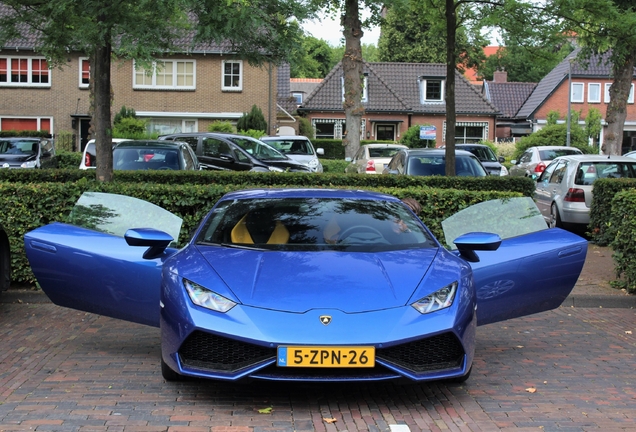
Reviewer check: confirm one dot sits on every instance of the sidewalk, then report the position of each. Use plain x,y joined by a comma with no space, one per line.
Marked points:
592,290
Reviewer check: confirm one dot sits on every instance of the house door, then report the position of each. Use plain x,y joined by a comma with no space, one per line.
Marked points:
85,124
385,132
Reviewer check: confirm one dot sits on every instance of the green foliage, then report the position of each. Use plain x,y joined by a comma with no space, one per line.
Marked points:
130,127
25,133
334,165
602,227
64,141
623,243
333,147
253,120
313,59
593,124
253,133
64,159
411,138
305,128
552,117
417,28
221,126
124,113
554,135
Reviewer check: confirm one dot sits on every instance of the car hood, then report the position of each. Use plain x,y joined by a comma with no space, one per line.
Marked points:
303,159
299,281
286,164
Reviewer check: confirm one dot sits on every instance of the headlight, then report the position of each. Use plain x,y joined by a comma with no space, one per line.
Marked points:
440,299
275,169
313,163
208,299
29,164
504,171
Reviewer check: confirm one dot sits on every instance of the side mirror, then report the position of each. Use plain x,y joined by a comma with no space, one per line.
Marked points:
320,151
514,162
156,241
502,159
468,243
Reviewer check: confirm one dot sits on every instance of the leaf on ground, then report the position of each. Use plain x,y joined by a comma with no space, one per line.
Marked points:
531,390
267,410
628,332
329,420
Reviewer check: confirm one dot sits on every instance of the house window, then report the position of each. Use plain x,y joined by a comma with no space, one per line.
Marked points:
299,97
432,90
166,75
469,132
84,72
594,92
25,71
165,126
329,128
577,92
232,75
630,98
365,93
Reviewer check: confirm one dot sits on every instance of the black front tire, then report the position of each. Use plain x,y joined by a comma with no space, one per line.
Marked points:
461,379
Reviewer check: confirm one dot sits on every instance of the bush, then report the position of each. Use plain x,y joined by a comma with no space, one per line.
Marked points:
25,133
254,120
554,135
412,138
129,127
221,126
624,241
334,165
305,128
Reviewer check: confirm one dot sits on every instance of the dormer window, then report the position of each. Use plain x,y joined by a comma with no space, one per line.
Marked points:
365,94
432,89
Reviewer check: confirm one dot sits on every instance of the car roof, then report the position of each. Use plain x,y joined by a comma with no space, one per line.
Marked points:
21,138
436,151
115,140
285,137
388,145
307,193
212,134
596,158
555,148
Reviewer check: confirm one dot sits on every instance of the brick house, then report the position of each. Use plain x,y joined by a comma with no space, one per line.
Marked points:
191,90
397,96
589,87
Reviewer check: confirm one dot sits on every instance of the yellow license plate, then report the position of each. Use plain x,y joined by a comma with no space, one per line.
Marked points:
325,356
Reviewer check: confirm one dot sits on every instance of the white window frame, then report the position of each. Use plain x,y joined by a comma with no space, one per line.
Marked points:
590,86
238,87
81,62
298,96
582,87
365,93
423,85
174,67
630,98
28,83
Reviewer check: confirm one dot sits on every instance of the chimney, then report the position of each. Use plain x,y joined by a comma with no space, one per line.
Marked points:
500,76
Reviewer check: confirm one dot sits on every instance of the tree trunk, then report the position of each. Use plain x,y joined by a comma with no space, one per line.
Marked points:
100,71
353,81
451,64
617,107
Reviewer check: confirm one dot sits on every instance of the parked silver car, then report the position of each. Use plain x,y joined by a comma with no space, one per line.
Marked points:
534,160
564,190
372,158
298,148
18,152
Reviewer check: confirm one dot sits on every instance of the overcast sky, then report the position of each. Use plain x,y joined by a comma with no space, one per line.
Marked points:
329,29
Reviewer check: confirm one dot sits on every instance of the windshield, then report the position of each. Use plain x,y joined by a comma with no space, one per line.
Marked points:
126,158
383,152
115,214
509,218
292,146
484,154
315,224
19,147
258,149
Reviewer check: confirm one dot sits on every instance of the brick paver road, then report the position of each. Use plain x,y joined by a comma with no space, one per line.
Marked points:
571,369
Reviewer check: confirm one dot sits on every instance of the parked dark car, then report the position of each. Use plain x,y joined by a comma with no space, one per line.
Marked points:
230,152
17,152
427,162
487,157
5,260
160,155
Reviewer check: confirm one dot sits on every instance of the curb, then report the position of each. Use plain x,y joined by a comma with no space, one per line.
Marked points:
573,300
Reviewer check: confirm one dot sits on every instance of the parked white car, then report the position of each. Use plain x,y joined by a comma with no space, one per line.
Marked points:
564,190
534,160
372,158
89,159
298,148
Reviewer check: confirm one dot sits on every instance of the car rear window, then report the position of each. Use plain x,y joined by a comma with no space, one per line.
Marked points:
314,224
548,155
385,152
587,172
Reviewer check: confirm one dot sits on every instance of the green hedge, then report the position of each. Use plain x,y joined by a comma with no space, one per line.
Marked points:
601,228
623,223
31,205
